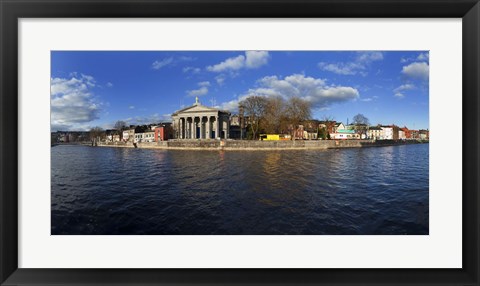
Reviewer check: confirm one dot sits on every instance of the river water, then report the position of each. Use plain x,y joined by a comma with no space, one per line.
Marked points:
115,191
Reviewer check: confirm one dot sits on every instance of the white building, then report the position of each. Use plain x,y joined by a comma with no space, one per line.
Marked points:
201,122
375,132
128,135
387,132
148,137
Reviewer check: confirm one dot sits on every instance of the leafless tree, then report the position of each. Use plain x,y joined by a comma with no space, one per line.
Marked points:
274,115
329,123
254,107
119,127
361,124
297,111
96,133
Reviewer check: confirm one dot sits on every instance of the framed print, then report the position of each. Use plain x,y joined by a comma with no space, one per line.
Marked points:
223,142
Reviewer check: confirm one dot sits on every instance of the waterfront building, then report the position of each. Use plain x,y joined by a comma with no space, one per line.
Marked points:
109,134
310,135
237,127
345,134
375,132
201,122
408,133
148,136
112,135
298,133
138,137
163,132
329,126
415,134
423,134
390,132
338,126
128,135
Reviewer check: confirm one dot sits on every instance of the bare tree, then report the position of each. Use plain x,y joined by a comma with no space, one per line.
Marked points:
297,111
254,107
360,123
274,115
119,127
329,125
96,133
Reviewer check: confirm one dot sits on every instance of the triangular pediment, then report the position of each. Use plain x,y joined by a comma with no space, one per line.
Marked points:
197,108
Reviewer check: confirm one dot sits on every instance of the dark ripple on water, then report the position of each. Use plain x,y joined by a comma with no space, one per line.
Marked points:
135,191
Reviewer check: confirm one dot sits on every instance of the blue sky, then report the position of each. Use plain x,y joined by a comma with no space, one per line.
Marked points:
97,88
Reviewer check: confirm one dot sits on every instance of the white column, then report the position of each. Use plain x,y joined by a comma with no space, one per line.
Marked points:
179,129
225,125
217,127
208,133
194,128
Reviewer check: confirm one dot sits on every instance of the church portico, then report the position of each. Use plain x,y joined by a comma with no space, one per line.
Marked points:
201,122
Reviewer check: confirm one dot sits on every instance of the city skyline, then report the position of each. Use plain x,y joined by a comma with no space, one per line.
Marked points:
98,88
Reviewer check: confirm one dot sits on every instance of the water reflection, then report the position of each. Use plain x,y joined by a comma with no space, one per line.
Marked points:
138,191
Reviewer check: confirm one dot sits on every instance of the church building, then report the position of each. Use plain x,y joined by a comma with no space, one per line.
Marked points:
201,122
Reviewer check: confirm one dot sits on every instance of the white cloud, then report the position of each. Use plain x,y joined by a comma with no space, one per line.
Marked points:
193,70
251,60
416,70
131,107
340,68
204,83
256,59
173,61
186,59
229,64
230,105
407,86
314,90
109,84
149,119
201,91
220,79
399,92
162,63
198,92
72,102
368,57
423,57
358,66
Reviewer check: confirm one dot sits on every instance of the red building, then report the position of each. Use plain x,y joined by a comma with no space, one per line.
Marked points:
408,132
163,133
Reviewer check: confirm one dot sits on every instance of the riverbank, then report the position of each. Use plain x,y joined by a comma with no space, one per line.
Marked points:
259,145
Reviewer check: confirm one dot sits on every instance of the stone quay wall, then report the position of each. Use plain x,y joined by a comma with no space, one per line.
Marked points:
207,144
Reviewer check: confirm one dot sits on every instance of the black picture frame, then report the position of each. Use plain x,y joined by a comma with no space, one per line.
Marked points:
11,11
